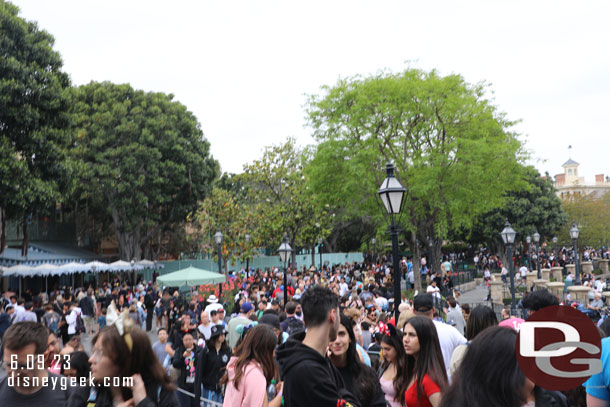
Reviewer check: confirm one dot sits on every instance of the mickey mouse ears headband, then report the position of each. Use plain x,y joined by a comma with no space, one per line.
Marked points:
242,329
386,329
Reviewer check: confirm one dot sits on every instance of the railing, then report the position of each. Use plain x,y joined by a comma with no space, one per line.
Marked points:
206,402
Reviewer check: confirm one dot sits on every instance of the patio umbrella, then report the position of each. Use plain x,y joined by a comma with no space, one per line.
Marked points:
191,276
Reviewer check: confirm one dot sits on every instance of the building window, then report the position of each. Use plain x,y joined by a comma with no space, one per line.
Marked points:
570,171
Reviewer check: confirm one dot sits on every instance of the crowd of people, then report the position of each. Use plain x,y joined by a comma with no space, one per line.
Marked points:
335,342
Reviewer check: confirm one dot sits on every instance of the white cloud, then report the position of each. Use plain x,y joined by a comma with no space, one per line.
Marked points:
243,67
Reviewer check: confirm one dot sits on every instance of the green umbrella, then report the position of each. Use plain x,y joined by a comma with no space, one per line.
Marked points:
191,276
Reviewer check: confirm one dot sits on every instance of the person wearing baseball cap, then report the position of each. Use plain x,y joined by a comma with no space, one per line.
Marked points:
243,319
211,366
449,337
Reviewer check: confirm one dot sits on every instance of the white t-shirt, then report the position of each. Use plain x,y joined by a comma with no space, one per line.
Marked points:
523,271
213,307
435,291
449,339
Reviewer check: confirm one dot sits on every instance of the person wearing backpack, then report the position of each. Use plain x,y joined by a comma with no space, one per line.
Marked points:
87,305
292,325
74,320
51,319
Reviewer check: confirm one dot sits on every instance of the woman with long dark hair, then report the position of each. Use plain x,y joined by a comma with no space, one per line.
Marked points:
251,370
426,374
489,375
211,365
392,372
128,354
481,317
359,379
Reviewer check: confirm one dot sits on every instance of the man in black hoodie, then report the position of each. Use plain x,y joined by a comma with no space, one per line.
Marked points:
309,377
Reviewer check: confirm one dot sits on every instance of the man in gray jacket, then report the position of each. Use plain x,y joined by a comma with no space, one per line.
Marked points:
454,314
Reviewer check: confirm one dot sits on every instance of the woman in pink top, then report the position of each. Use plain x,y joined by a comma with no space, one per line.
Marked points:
392,372
251,370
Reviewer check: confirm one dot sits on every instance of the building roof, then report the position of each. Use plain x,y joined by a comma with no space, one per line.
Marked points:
570,162
40,253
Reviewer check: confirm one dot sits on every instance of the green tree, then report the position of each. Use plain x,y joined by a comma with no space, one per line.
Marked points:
144,155
222,211
533,208
452,149
592,215
33,121
278,188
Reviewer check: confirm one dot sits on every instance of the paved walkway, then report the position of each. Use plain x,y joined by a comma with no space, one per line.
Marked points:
476,296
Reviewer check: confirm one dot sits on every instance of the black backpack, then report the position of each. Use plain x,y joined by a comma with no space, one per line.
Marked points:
294,326
86,305
80,324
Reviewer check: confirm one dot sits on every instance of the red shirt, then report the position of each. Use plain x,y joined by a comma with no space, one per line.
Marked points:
429,389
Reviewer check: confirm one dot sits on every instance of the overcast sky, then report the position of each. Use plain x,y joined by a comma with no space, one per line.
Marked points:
243,67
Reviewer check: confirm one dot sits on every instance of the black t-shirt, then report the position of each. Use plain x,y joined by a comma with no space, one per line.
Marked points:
46,396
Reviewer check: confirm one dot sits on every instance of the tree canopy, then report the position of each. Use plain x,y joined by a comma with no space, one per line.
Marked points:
533,208
453,150
33,120
144,155
278,188
592,215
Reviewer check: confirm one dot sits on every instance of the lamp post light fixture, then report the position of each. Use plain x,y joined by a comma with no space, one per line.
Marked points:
247,256
285,251
218,237
574,232
536,237
508,237
555,245
392,194
320,244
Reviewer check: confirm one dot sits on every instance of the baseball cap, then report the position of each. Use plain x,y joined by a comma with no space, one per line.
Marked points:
423,303
246,307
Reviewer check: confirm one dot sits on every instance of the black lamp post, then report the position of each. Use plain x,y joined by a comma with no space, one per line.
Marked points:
528,240
218,238
320,244
374,243
247,255
285,251
508,236
574,232
555,246
392,194
536,237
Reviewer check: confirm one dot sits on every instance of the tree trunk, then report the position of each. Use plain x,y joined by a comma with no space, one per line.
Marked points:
414,246
25,244
2,230
438,255
129,242
313,255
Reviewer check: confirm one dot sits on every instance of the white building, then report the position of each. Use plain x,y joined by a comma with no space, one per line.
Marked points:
569,184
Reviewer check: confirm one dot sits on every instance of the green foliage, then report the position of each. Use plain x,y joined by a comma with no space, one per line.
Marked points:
33,118
279,190
592,215
143,156
535,207
452,149
221,211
